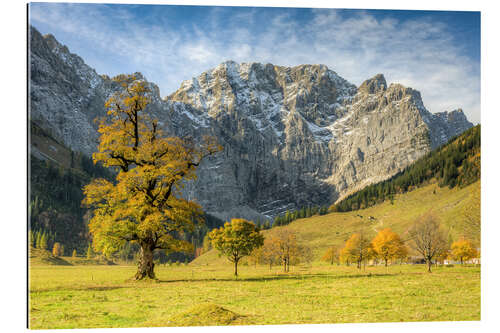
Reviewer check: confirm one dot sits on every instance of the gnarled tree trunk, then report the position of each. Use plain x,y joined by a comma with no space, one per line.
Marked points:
145,265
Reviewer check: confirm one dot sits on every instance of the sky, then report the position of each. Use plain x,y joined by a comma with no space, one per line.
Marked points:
435,52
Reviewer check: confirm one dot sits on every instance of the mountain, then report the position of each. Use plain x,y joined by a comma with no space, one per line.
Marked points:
292,136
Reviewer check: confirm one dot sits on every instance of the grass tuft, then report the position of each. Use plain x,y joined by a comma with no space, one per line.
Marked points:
207,314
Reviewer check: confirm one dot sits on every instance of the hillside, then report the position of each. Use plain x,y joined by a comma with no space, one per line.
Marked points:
57,175
457,163
453,206
39,257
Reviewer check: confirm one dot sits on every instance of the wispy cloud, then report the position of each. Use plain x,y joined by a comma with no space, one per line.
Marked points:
417,52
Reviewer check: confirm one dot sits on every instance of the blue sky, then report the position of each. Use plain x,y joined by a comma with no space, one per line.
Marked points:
435,52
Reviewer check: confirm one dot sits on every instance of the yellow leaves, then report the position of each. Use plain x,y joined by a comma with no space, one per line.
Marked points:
331,255
463,250
144,204
236,239
357,248
388,245
96,192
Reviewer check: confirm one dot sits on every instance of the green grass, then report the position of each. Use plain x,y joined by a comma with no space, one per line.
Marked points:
104,296
205,292
206,314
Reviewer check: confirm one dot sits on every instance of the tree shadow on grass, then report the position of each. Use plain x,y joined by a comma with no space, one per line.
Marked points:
78,288
101,288
324,276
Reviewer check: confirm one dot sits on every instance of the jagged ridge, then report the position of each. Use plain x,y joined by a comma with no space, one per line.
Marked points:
292,136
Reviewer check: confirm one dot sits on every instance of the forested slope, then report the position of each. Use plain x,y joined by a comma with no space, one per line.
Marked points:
457,163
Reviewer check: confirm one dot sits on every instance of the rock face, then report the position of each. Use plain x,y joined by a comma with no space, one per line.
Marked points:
291,136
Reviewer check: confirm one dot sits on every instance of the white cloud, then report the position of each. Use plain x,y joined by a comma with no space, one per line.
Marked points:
419,53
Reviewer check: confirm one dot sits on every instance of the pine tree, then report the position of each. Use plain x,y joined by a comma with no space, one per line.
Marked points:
38,237
267,225
31,236
287,217
43,242
90,252
308,211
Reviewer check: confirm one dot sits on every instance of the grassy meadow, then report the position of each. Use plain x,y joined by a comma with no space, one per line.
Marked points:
81,293
104,296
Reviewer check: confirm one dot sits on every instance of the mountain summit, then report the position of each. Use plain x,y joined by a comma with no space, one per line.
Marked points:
292,136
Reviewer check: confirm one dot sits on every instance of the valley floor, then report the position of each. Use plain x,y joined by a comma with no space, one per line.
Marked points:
104,296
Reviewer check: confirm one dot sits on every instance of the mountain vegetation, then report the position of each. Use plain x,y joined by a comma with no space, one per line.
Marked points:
56,194
456,163
320,232
293,215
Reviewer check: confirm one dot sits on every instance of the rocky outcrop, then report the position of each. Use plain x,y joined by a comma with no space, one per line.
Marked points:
292,136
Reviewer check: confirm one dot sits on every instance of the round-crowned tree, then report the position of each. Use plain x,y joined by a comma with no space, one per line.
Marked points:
236,239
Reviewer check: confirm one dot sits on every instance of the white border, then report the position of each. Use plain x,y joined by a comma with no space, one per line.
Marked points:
13,138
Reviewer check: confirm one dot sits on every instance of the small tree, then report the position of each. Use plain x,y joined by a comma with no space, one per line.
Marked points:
90,252
331,255
427,238
463,250
358,249
268,254
388,245
267,225
74,253
43,244
402,253
206,245
256,256
56,250
344,256
38,239
31,238
442,256
287,249
236,240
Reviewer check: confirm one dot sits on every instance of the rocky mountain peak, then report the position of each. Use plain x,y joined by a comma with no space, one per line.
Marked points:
53,43
292,136
373,85
268,94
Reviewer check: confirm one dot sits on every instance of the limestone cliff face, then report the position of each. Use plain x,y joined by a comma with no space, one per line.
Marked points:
291,136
